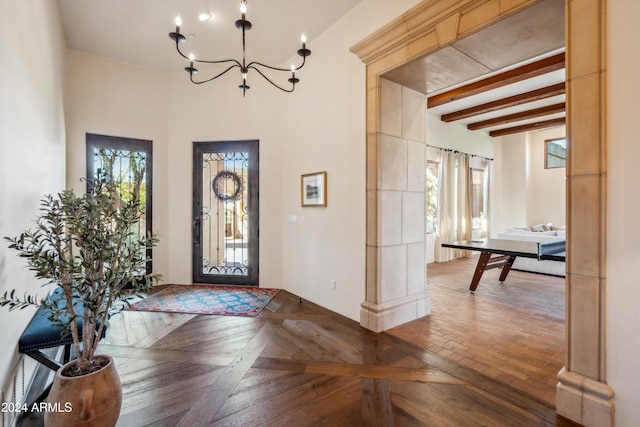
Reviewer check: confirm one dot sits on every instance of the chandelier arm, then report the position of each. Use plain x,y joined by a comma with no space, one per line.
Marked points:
253,63
237,64
178,49
214,77
203,61
269,80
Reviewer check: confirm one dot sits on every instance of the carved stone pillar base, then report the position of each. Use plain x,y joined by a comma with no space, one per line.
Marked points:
380,317
584,400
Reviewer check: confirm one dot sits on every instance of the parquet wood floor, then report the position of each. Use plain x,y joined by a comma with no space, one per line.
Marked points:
297,364
512,332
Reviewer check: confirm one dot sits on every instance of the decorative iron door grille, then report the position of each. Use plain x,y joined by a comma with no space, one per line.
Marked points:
225,212
125,165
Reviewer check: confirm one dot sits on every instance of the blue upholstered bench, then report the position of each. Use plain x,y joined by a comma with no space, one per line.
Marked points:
42,334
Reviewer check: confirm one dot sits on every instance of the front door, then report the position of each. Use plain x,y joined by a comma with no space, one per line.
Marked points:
225,212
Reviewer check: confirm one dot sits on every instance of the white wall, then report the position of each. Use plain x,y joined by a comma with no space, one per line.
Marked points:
456,136
514,169
327,132
547,187
136,102
32,143
531,194
218,112
112,98
623,211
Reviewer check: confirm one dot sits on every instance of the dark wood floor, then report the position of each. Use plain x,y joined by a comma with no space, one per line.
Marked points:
297,364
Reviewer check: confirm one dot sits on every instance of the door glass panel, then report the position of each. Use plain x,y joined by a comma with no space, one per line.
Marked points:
225,212
124,165
225,218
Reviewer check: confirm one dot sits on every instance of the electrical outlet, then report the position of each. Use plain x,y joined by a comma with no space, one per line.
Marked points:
333,284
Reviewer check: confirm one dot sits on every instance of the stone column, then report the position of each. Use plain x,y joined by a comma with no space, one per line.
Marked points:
396,248
582,393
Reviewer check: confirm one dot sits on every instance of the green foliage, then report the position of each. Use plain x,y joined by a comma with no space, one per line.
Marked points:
124,171
87,246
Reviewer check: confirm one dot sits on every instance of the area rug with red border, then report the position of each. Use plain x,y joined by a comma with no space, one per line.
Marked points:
208,299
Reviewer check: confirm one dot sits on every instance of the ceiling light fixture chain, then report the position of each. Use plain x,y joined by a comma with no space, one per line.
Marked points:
244,25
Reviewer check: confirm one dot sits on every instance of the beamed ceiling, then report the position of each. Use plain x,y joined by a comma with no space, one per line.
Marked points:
504,79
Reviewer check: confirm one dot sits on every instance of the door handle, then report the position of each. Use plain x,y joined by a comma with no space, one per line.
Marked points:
196,231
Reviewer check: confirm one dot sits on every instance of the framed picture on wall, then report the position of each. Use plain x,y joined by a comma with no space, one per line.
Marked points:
314,189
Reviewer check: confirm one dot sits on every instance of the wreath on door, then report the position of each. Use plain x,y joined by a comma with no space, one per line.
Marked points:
228,186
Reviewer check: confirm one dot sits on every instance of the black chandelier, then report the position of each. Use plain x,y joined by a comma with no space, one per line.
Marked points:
244,25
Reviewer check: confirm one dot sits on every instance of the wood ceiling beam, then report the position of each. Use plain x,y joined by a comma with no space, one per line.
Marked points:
529,127
519,74
517,117
511,101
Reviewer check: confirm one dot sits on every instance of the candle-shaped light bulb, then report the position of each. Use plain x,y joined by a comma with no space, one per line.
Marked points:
293,70
178,23
243,9
303,39
244,77
191,58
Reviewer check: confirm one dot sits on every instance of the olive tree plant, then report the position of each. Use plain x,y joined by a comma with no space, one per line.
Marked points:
86,246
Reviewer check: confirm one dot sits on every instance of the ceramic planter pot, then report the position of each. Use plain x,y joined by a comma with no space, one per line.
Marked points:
88,400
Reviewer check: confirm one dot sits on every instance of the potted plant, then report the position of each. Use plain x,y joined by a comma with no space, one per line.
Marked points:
86,247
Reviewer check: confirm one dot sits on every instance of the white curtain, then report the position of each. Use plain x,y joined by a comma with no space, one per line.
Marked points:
446,207
463,205
454,202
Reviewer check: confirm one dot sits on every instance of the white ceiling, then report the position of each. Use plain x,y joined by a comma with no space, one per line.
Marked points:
136,31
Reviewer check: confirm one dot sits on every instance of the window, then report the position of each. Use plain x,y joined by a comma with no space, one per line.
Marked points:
432,197
477,199
555,153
